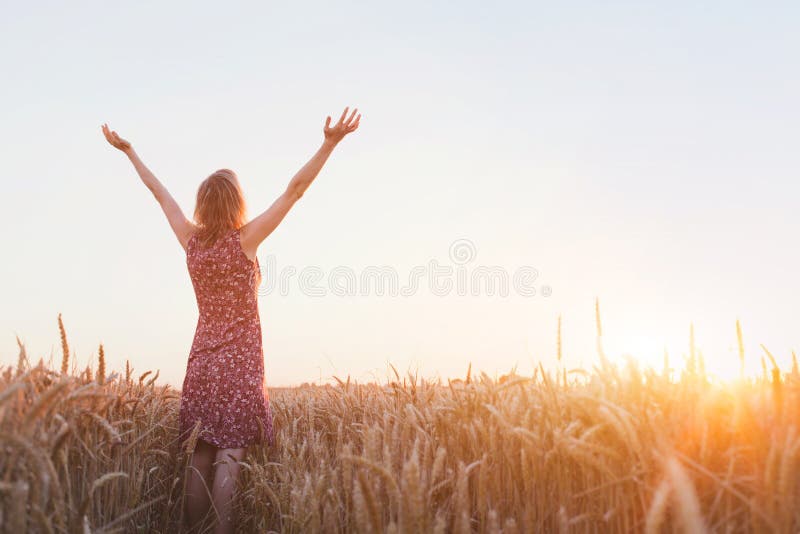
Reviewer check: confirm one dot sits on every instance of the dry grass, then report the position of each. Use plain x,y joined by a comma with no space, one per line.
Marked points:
612,450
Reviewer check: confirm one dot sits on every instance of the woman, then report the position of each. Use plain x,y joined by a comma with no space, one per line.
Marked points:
224,391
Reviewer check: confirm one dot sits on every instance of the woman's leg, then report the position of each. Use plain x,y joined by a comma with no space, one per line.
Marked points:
198,484
225,475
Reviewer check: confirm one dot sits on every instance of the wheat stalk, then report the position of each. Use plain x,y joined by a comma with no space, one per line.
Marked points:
740,344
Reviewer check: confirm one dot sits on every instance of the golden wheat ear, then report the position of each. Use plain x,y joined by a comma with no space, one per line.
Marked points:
101,365
22,360
64,346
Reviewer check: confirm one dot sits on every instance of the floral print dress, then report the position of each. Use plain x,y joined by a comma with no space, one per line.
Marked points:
224,387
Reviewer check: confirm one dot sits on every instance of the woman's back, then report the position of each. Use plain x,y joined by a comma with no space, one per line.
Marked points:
225,283
224,385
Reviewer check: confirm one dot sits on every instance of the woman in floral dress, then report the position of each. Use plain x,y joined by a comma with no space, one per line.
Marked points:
224,392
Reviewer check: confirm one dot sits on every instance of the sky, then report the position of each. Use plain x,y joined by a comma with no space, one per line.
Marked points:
639,153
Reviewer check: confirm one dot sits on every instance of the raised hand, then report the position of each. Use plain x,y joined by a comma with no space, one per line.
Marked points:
115,140
345,125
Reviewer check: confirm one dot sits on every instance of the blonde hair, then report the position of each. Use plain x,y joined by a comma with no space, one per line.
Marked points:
220,206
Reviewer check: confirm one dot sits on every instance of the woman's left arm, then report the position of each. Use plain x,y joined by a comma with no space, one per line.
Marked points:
255,231
182,227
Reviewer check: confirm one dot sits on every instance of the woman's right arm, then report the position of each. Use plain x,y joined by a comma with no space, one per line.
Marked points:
181,226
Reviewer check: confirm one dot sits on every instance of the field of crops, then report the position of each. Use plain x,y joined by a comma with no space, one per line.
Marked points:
612,449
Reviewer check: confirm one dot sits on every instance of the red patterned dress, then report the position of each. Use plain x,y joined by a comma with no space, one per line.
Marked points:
224,386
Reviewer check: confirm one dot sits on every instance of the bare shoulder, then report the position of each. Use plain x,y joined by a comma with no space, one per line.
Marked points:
189,233
246,233
248,241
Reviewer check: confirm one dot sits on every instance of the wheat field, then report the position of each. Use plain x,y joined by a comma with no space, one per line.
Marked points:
611,449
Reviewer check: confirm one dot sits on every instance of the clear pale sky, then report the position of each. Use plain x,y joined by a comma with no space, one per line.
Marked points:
642,153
